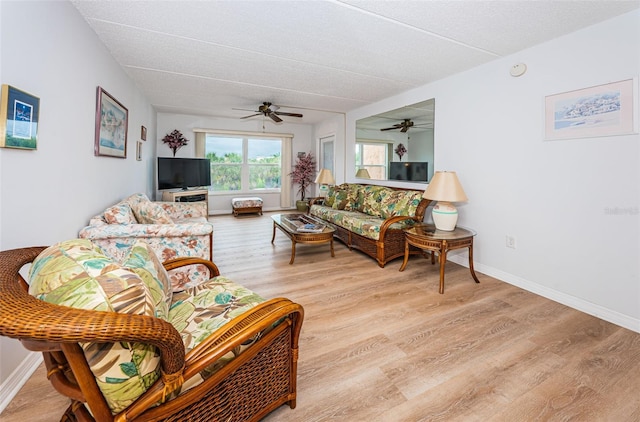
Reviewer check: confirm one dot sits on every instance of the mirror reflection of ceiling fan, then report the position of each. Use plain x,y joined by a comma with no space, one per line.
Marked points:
403,126
269,110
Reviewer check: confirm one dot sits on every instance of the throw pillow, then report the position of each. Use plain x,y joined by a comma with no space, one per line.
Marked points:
355,197
331,196
147,212
120,213
400,203
372,198
75,273
340,199
143,261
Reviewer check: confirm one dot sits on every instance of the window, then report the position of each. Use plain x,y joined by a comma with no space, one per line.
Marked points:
243,163
374,157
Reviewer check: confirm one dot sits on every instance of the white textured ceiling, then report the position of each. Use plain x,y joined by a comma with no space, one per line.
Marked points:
214,57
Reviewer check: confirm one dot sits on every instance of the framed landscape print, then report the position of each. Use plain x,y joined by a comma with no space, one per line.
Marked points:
111,126
19,114
603,110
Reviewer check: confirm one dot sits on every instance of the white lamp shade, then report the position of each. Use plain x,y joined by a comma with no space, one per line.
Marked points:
325,177
445,186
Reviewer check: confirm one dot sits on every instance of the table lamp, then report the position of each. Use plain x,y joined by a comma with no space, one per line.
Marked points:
324,179
445,188
363,174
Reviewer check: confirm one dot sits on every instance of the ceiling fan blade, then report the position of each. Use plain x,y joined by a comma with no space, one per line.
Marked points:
281,113
252,115
404,129
389,128
274,117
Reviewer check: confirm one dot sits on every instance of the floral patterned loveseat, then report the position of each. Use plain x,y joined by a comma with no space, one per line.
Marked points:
172,229
371,218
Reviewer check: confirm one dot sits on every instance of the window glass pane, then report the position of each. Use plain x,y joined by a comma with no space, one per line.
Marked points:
373,157
263,150
264,177
225,154
264,157
224,149
226,177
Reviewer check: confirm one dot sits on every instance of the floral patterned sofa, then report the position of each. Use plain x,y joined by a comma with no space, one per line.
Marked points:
172,229
122,344
371,218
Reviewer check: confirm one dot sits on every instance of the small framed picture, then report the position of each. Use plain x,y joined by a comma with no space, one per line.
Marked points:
112,119
19,115
143,133
139,151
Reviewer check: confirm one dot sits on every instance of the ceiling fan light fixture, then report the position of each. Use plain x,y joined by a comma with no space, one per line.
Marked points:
269,110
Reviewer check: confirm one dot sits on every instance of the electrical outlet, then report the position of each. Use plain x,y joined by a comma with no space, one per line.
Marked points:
511,242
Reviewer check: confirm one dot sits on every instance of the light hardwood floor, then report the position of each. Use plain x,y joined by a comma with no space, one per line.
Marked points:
380,345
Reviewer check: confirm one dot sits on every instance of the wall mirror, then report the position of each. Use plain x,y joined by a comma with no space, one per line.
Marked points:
397,145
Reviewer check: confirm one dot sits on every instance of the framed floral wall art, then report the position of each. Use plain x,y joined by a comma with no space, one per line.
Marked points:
112,119
603,110
19,115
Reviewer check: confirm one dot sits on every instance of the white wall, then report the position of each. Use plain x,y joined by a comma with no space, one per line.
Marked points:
554,197
221,203
47,195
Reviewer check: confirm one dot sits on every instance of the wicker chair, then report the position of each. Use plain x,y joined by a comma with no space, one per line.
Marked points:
253,384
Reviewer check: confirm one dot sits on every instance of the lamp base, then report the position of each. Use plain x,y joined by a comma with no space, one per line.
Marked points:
323,190
445,216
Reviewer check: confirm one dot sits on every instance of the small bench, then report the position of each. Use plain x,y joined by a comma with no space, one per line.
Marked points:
247,205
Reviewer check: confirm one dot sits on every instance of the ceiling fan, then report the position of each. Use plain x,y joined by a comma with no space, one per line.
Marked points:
403,126
269,110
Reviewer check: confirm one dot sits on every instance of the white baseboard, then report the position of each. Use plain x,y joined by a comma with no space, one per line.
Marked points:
10,387
582,305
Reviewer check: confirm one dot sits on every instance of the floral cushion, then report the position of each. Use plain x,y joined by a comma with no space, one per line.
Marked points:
404,203
76,273
372,200
355,197
339,199
143,261
120,213
330,198
147,212
199,311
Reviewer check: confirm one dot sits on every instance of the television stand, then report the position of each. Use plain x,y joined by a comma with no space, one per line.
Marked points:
196,195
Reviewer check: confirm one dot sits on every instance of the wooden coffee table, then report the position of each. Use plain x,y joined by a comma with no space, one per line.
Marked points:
286,224
427,237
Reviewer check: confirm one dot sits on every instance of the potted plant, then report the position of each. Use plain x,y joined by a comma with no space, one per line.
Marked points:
303,174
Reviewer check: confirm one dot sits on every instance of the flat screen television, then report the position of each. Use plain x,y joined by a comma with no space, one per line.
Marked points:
409,171
183,173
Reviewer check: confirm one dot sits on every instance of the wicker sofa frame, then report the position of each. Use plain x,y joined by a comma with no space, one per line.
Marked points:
253,384
390,244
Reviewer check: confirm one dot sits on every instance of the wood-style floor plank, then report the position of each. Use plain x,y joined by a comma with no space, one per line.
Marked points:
382,345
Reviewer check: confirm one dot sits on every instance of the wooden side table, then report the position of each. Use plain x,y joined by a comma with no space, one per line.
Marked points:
427,237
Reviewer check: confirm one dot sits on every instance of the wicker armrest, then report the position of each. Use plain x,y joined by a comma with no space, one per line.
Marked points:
172,264
316,201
